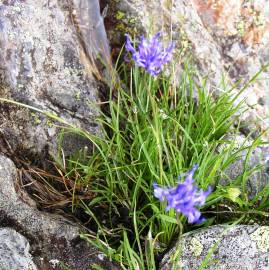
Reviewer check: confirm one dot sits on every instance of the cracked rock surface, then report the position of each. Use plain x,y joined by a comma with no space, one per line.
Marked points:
14,251
51,237
42,64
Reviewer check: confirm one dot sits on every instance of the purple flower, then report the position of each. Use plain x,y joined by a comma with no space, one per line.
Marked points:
184,197
150,55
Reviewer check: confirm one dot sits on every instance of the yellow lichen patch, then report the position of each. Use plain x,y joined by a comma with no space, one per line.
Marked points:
261,237
120,15
196,247
37,120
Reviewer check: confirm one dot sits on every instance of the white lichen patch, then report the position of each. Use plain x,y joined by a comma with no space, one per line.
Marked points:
261,237
196,247
54,263
101,256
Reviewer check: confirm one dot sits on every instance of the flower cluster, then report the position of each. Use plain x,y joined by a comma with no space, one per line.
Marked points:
184,197
151,54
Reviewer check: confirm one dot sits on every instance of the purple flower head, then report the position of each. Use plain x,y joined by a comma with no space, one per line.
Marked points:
150,55
184,197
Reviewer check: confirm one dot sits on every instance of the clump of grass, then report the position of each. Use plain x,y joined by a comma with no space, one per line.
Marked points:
154,131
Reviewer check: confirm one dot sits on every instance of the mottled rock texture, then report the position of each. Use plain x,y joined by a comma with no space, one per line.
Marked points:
241,247
257,164
46,62
14,251
52,237
241,32
259,177
227,38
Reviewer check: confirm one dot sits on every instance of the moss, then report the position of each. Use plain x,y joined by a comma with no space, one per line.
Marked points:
77,96
63,266
97,267
132,20
125,24
261,237
241,28
125,29
120,15
196,247
49,124
37,120
120,26
184,45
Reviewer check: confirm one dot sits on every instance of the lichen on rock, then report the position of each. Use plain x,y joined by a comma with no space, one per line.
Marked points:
227,247
15,251
41,65
195,247
261,237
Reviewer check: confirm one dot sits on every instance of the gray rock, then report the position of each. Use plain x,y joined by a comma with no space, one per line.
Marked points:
257,164
258,179
44,63
240,247
52,237
14,251
240,31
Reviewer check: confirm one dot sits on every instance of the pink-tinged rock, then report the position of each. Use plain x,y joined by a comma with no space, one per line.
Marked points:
220,14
